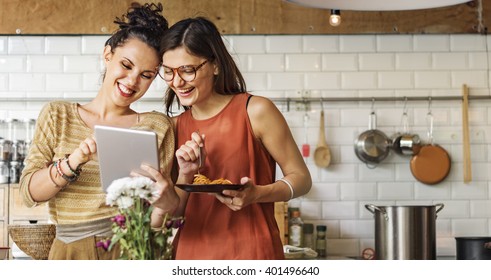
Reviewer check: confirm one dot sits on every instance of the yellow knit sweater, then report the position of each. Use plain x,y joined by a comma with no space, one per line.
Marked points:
59,130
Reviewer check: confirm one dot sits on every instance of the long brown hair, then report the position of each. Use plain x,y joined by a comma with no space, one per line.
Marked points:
200,37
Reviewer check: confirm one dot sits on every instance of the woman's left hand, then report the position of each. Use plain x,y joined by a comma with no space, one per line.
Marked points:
238,199
166,197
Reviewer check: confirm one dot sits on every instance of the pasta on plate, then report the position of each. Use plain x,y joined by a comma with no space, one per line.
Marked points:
200,179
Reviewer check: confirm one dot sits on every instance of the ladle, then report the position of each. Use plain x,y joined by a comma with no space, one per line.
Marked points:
322,154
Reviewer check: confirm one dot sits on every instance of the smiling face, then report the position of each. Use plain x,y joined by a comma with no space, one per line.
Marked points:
130,70
196,91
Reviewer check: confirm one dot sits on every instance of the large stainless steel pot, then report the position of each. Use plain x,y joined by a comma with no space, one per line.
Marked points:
405,232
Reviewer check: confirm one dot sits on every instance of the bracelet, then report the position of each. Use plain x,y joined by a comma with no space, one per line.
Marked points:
51,177
77,170
289,185
69,179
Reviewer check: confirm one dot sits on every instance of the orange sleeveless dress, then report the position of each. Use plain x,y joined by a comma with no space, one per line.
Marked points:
211,229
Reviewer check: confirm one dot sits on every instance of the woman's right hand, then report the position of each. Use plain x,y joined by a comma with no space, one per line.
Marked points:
86,151
188,155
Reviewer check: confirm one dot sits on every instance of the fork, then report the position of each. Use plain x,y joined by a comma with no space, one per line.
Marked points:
200,162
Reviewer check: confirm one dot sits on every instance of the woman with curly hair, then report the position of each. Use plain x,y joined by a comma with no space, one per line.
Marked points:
62,167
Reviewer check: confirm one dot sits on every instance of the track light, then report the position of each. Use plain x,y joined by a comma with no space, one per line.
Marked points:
335,18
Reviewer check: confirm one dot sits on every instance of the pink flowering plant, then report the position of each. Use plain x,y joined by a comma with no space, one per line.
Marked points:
131,227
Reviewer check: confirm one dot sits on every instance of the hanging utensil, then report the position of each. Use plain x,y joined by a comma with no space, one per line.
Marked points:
432,164
305,145
322,154
372,146
465,135
406,143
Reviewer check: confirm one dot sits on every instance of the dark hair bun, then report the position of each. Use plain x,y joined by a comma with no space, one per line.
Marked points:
148,15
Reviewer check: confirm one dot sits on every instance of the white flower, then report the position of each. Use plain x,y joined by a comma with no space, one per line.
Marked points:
122,191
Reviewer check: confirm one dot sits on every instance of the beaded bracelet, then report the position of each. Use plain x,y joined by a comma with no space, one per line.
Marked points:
77,170
69,179
51,177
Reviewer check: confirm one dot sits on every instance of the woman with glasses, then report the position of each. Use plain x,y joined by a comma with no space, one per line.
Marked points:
62,167
225,132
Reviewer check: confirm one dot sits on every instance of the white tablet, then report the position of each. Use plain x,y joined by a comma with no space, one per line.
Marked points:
121,151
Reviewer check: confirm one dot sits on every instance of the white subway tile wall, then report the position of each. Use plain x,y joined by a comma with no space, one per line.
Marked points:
321,66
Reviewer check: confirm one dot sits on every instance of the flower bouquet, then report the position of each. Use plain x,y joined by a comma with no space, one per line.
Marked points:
131,227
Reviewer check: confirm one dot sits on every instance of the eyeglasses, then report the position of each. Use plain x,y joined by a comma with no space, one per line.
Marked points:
185,72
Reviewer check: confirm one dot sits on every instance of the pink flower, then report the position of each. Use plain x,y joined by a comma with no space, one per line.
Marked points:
178,223
174,223
168,224
120,220
104,244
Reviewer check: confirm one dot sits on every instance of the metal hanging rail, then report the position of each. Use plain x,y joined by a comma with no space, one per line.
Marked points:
371,99
279,99
308,100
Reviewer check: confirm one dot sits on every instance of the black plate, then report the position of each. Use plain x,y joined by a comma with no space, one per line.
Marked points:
208,187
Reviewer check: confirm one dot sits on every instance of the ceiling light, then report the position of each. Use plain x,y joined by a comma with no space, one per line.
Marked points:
335,18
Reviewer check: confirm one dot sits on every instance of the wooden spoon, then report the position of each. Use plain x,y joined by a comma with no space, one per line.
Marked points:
322,154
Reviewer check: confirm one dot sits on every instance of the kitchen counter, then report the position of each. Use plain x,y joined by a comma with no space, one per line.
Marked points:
438,258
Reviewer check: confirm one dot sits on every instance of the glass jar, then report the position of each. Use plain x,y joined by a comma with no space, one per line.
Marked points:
17,152
30,126
13,129
5,149
14,172
4,172
3,129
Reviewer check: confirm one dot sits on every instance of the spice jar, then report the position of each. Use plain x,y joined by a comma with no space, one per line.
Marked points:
308,236
321,241
295,234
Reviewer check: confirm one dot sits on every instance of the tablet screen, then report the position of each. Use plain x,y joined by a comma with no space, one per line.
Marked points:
121,151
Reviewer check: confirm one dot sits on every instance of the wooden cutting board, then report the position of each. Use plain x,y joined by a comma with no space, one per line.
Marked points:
281,216
465,135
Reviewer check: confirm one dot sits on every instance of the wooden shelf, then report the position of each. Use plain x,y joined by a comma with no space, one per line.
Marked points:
13,211
94,17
